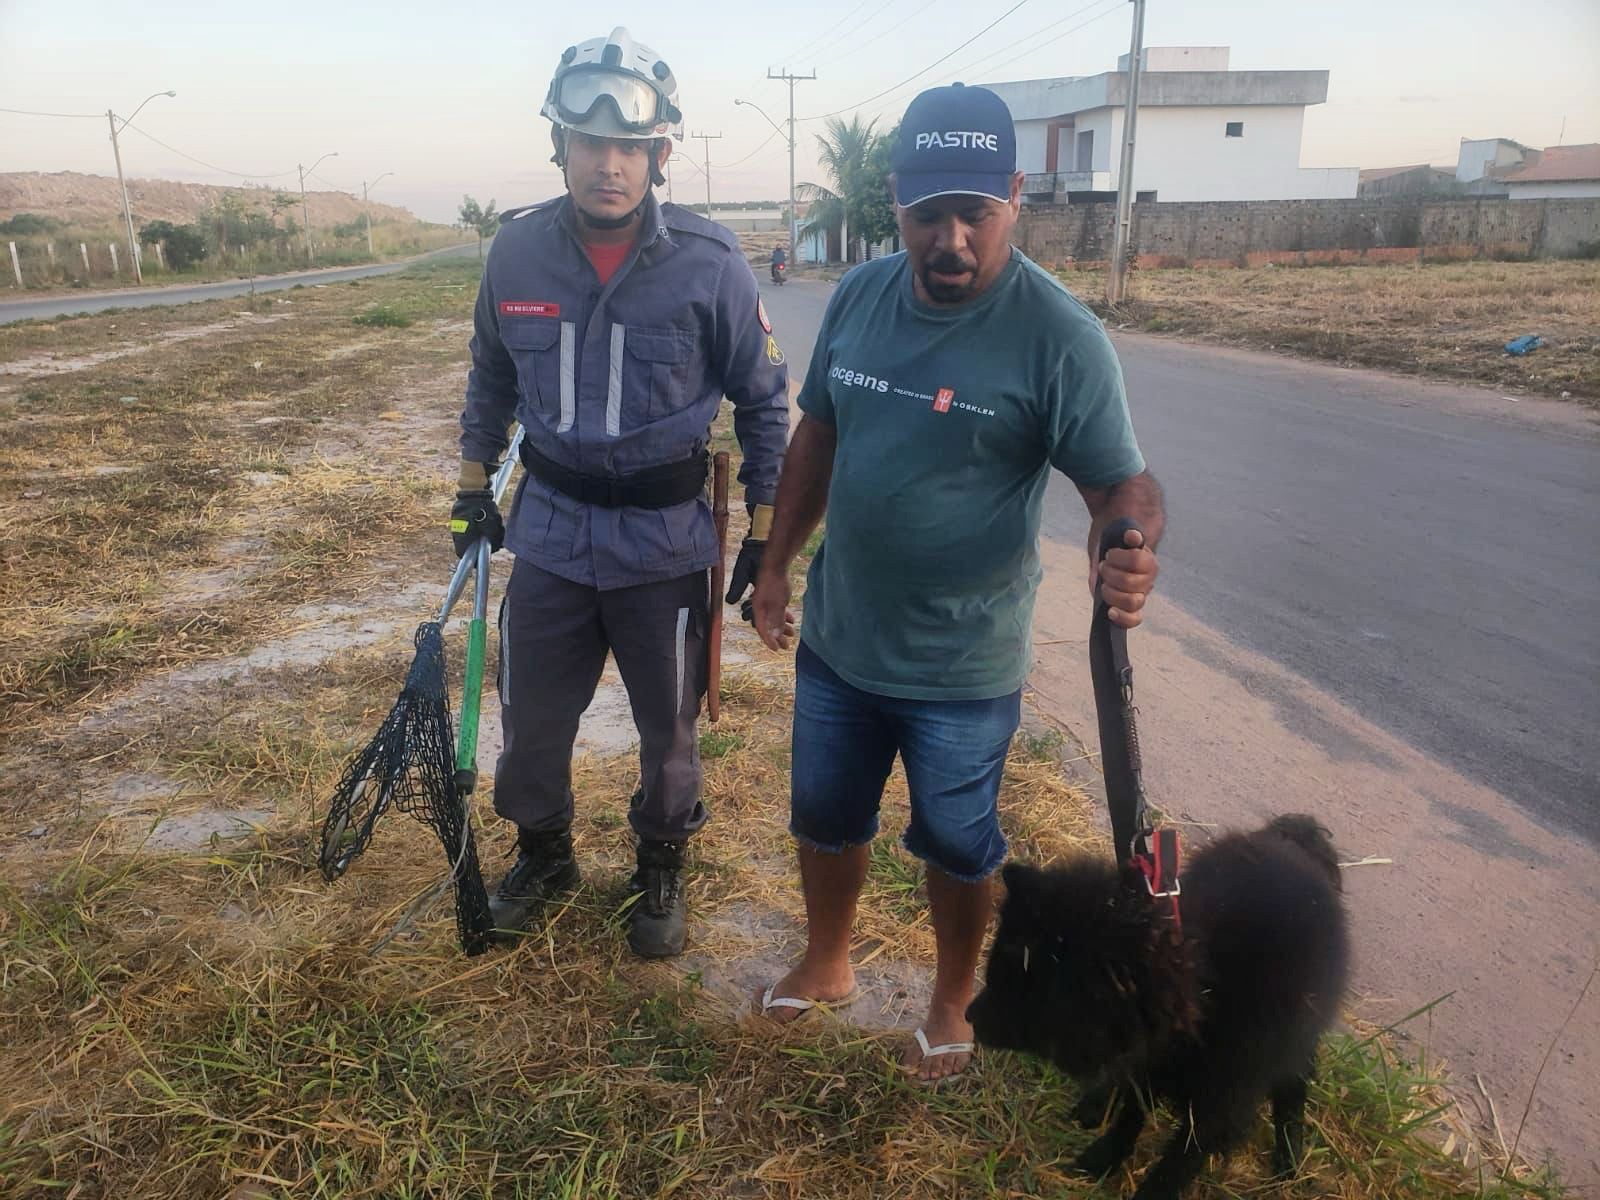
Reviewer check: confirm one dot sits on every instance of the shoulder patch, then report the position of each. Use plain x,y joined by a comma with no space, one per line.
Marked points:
774,353
761,315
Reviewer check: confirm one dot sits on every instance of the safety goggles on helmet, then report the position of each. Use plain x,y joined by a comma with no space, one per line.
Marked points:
634,104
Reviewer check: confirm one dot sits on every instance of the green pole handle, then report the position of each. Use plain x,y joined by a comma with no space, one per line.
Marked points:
467,750
472,688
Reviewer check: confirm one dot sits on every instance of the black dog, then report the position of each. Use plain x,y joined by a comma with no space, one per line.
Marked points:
1212,1016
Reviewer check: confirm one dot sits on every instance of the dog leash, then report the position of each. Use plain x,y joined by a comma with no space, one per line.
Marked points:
1154,852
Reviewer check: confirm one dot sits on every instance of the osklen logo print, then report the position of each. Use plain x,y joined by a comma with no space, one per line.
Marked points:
529,308
942,398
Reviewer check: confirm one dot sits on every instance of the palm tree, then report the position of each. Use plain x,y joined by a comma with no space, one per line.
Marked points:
843,151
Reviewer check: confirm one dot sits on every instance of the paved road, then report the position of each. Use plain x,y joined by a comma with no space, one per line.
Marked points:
1429,555
92,302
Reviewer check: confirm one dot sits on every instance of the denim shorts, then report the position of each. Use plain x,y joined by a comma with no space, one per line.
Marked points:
954,751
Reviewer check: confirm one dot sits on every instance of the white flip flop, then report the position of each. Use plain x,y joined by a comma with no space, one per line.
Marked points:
770,1002
934,1052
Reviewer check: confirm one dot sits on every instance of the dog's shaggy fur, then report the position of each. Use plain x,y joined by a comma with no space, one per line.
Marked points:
1090,972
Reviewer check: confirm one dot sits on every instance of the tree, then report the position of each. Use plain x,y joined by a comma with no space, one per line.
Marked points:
871,207
183,245
482,221
844,151
279,202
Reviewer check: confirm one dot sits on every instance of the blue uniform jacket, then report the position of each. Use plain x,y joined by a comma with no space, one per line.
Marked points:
609,380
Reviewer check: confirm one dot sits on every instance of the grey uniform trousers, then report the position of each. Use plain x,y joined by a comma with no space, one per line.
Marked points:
554,635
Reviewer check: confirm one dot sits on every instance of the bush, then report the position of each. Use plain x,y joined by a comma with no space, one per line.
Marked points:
183,245
28,224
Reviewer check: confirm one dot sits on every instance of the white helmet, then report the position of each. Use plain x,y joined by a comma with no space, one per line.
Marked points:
614,87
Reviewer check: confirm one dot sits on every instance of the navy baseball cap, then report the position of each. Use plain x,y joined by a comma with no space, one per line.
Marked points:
955,140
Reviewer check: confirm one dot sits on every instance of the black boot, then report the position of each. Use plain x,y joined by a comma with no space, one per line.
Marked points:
656,920
544,868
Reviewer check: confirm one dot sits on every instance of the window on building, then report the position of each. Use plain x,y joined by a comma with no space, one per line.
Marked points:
1235,128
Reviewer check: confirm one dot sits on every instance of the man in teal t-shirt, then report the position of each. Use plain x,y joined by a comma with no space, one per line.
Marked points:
946,383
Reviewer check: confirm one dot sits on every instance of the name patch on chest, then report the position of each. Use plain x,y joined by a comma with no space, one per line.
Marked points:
529,308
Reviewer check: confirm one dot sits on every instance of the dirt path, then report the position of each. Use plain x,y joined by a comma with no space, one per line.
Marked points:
1478,902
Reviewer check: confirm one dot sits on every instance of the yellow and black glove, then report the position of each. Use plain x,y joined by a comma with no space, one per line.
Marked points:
475,514
749,561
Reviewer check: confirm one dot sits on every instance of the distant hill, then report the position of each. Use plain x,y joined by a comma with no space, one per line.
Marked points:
79,199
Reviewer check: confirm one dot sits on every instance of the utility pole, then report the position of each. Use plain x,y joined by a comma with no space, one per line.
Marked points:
366,212
1117,282
706,139
791,80
305,208
122,186
127,213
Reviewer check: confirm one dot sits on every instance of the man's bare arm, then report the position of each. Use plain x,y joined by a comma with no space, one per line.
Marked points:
1139,497
1129,574
802,491
802,501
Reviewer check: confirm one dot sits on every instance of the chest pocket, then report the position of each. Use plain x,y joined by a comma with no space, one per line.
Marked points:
542,350
655,375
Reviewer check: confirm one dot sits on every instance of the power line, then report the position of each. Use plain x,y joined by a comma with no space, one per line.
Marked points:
203,163
752,154
979,63
1115,6
970,69
878,37
826,36
844,34
924,71
28,112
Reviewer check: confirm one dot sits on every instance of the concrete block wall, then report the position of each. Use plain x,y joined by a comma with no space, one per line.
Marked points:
1367,229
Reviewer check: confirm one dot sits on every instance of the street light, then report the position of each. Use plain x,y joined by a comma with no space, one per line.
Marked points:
794,236
368,215
305,209
116,150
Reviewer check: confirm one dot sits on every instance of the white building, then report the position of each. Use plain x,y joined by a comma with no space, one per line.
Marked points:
1555,173
1205,132
1480,158
749,220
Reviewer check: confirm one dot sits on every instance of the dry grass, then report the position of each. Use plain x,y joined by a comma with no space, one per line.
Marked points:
130,485
1445,320
213,1023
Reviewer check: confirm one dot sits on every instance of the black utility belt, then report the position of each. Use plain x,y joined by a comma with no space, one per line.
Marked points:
653,487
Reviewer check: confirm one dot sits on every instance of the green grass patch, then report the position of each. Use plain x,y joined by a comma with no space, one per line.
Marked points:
383,316
1042,745
717,743
894,878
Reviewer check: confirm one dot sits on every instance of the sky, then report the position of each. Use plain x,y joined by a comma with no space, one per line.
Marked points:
445,100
